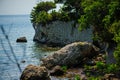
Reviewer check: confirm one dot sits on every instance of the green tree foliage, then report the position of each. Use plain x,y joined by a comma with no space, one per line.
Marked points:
102,15
61,16
77,77
44,6
72,8
43,17
40,15
39,12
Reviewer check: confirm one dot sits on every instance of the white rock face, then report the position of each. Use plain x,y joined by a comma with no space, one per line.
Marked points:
62,33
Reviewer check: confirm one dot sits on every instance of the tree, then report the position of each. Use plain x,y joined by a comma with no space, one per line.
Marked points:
104,16
40,11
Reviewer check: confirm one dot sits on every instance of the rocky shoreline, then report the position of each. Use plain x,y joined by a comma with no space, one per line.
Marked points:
71,55
75,61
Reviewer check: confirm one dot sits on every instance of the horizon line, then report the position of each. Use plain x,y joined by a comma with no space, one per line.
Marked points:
12,14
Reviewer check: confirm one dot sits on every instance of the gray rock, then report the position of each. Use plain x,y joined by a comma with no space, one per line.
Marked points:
35,73
71,54
21,39
62,33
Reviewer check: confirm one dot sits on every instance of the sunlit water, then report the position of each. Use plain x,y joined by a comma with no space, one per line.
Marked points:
30,53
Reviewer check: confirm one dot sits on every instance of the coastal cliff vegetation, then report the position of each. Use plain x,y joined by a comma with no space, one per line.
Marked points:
102,15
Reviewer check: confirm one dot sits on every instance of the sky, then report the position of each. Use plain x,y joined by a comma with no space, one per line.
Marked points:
19,7
11,7
16,7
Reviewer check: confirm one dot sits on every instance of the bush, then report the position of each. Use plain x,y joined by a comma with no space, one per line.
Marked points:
100,65
117,54
64,68
44,6
43,18
107,68
40,11
64,16
77,77
112,68
94,78
55,15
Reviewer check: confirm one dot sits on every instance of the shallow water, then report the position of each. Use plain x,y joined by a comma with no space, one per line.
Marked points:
16,26
26,53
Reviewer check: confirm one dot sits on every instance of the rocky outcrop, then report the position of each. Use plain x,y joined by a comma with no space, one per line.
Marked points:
61,33
71,54
35,73
21,39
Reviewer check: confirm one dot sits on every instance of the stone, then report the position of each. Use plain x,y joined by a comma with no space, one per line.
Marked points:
57,71
109,76
32,72
71,54
62,33
23,61
21,39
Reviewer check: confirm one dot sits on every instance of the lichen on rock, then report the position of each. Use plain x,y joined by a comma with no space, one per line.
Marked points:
32,72
71,54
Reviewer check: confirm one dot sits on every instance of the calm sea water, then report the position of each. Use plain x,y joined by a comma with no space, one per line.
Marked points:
18,26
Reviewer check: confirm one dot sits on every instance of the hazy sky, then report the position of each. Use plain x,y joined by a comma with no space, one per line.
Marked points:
12,7
8,7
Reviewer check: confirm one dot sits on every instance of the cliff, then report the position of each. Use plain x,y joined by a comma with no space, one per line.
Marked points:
61,33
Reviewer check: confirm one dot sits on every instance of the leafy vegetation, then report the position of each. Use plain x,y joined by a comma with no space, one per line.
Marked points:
96,72
102,15
64,68
39,14
77,77
94,78
107,68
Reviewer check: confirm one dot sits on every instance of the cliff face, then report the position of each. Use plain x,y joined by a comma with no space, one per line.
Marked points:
61,33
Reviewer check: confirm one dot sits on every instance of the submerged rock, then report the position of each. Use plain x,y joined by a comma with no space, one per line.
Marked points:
21,39
35,73
71,54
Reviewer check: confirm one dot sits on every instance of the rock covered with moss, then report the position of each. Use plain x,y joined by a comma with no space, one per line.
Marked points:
71,54
32,72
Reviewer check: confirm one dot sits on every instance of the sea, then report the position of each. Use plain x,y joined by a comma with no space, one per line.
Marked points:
14,57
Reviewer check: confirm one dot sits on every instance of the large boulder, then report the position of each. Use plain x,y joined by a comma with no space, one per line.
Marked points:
71,54
35,73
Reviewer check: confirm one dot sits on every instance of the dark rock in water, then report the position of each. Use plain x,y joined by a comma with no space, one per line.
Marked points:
35,73
56,71
23,61
21,39
71,54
